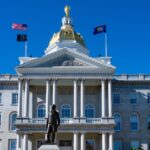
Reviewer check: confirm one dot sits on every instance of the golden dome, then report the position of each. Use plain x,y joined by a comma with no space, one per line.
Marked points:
67,32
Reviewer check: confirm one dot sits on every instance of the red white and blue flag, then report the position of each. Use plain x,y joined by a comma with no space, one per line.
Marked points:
16,26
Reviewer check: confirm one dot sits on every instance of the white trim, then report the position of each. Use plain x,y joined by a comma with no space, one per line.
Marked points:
10,120
9,143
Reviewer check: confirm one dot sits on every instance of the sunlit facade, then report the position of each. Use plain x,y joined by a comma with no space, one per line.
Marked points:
98,109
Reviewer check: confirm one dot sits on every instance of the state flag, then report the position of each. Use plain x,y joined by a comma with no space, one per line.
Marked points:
100,29
16,26
21,37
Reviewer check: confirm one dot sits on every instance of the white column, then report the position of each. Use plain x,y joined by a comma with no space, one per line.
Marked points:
103,141
103,98
19,98
75,141
109,98
18,142
25,142
26,101
82,99
111,141
83,141
75,99
47,96
54,92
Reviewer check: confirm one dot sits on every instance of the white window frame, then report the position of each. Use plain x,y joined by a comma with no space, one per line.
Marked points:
62,109
137,122
120,121
10,121
93,140
16,99
38,109
10,142
93,107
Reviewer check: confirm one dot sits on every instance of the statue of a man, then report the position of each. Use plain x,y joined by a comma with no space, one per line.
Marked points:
53,122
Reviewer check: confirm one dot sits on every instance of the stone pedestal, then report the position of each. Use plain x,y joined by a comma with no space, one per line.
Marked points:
49,147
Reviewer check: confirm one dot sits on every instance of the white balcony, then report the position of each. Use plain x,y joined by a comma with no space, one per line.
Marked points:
38,125
42,121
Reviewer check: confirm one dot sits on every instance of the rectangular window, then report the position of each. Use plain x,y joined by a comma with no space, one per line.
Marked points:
117,145
135,144
0,98
148,98
90,144
65,143
14,98
133,98
116,98
12,144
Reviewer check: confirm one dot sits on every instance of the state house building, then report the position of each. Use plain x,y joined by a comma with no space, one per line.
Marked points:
99,110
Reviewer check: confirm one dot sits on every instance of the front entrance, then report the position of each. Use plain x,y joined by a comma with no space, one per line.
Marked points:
90,144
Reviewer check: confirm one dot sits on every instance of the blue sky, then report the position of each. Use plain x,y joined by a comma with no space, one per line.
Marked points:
128,26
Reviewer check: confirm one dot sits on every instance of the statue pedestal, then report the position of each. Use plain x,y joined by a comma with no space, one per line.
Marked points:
49,147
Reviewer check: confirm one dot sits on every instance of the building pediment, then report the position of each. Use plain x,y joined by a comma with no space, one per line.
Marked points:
65,60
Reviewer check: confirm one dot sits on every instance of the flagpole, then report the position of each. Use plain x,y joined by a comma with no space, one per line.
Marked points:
26,48
106,51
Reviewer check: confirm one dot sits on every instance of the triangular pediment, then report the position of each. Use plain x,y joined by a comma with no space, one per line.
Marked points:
62,60
65,60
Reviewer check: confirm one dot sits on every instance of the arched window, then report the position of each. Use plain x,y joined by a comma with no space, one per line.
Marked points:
41,111
12,121
148,122
89,111
66,111
117,121
134,122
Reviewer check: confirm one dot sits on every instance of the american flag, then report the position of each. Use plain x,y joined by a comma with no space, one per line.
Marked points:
16,26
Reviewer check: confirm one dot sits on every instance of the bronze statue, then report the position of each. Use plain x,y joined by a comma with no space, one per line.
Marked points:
53,122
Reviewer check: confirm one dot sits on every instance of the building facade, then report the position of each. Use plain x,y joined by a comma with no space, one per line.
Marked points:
99,110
